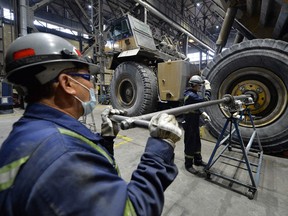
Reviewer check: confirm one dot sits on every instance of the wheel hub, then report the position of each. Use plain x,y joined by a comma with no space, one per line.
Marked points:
266,88
126,92
258,91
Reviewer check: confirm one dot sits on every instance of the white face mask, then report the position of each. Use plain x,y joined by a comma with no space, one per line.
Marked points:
90,105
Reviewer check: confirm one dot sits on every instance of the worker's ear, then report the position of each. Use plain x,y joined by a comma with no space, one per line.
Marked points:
67,84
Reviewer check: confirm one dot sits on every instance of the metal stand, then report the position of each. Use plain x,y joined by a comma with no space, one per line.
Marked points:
245,150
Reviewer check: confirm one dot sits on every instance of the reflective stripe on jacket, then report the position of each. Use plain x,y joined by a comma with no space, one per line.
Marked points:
10,171
55,172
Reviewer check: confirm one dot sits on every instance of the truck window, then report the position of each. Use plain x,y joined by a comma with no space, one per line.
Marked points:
121,30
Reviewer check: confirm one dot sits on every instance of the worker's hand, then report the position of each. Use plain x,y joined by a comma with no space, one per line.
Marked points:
164,126
205,116
109,127
207,85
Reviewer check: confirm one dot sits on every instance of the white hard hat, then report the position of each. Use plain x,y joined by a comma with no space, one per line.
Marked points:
196,79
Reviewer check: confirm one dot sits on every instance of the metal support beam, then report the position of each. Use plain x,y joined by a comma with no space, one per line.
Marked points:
266,7
62,22
172,23
185,44
200,60
76,13
41,4
282,21
251,6
83,12
101,47
145,15
237,25
238,38
2,51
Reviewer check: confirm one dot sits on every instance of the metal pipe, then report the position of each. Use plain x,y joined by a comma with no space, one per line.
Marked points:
101,48
171,22
238,38
143,120
226,27
23,17
250,141
145,15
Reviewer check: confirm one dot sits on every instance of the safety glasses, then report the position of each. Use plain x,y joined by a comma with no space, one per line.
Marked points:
85,76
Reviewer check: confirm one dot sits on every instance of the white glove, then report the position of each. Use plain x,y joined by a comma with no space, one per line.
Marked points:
207,85
108,127
205,116
164,126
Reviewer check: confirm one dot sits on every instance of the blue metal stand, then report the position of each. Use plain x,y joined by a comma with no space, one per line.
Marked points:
245,150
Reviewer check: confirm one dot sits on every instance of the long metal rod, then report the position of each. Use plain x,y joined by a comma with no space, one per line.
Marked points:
142,121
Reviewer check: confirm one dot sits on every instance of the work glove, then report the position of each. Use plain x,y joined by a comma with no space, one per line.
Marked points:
205,116
164,126
109,127
207,85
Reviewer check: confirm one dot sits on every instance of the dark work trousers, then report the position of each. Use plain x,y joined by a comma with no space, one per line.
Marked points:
192,142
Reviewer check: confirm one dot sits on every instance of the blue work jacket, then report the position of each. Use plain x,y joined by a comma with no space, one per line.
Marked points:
51,164
192,97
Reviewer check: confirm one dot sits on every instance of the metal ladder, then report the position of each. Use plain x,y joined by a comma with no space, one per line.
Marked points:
246,151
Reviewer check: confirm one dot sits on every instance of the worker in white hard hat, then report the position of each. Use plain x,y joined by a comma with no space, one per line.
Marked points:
192,142
52,164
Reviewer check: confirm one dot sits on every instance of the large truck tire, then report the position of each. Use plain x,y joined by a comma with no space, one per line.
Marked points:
134,88
258,67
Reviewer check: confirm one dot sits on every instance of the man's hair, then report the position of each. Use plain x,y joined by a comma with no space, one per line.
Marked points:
37,91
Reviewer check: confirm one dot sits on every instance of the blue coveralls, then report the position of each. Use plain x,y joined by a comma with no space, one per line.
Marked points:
51,164
192,142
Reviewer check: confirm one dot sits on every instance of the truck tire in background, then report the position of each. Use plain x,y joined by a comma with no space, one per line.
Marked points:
258,67
134,88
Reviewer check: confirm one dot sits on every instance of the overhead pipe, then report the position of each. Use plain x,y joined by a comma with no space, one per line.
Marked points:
225,29
171,22
23,17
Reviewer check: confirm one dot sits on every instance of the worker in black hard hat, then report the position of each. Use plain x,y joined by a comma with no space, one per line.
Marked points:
52,164
192,142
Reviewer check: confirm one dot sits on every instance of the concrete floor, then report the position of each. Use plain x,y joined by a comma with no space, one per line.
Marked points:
193,195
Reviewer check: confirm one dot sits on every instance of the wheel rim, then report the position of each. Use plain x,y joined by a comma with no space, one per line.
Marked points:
126,92
267,89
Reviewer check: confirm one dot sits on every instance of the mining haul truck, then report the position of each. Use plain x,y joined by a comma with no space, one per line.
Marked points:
257,65
145,74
